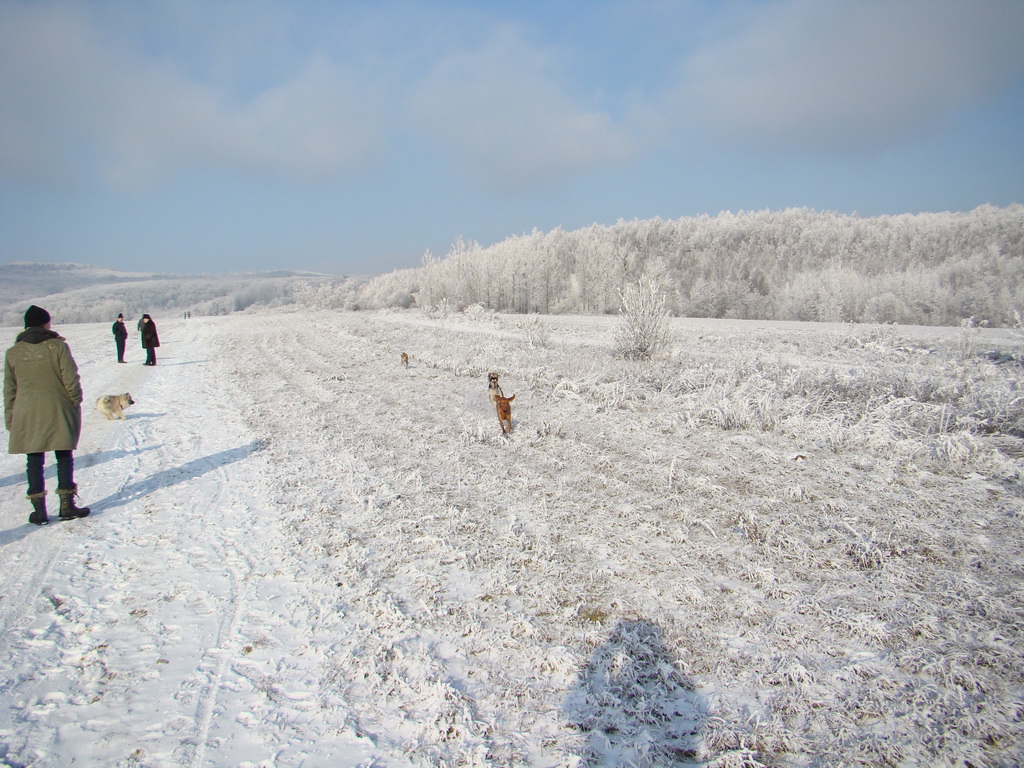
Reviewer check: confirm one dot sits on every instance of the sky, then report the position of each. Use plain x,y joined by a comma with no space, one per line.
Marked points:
191,136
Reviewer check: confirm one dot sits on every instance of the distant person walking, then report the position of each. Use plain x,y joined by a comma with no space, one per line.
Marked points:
150,340
120,336
43,411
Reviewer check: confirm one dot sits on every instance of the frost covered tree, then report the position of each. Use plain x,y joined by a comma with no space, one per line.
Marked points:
643,330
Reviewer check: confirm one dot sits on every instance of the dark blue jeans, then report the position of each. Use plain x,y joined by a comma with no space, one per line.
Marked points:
120,348
65,471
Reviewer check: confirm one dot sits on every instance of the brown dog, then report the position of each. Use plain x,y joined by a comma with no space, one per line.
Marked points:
501,403
505,413
405,360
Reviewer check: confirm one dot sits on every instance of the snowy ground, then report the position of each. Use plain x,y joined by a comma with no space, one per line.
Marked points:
777,545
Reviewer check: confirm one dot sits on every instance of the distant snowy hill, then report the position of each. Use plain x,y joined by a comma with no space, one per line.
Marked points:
22,279
79,293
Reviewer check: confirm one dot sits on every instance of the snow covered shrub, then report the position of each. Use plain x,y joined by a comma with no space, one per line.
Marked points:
643,328
440,310
954,451
967,339
537,333
748,406
886,308
478,313
1018,323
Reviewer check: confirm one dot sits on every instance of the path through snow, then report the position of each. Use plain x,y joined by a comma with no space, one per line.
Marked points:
173,626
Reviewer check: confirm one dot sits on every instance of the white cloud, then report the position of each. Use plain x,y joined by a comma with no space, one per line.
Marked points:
63,88
851,74
500,109
316,125
140,92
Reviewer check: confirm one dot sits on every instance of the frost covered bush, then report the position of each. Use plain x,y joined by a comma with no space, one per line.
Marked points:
643,321
537,334
478,313
440,310
967,340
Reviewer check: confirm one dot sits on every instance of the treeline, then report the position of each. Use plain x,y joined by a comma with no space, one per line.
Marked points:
797,264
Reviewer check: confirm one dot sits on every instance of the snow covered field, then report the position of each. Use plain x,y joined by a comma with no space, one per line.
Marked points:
778,545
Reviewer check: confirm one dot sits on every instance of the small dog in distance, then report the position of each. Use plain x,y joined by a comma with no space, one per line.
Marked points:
405,360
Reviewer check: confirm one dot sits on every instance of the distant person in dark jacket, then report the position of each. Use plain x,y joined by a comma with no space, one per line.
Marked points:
150,341
43,411
120,337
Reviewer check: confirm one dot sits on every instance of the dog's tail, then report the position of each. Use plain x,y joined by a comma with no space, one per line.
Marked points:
510,399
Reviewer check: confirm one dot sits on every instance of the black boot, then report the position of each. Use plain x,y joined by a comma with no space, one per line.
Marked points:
68,510
38,516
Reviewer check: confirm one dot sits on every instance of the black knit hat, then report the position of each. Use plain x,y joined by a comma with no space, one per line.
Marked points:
36,317
120,316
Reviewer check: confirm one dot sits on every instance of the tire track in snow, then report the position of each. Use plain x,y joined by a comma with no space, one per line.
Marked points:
31,565
239,564
276,647
287,372
208,489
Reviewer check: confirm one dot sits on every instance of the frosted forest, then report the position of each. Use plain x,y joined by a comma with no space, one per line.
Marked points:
925,269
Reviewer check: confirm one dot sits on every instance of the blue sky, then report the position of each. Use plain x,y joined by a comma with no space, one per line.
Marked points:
350,137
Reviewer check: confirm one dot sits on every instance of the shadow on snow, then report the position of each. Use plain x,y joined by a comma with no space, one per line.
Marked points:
162,479
81,462
166,478
632,705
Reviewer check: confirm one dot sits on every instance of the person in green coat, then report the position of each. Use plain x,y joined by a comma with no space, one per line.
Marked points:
43,411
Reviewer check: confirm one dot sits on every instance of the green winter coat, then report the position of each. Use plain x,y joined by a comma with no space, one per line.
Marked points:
42,394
